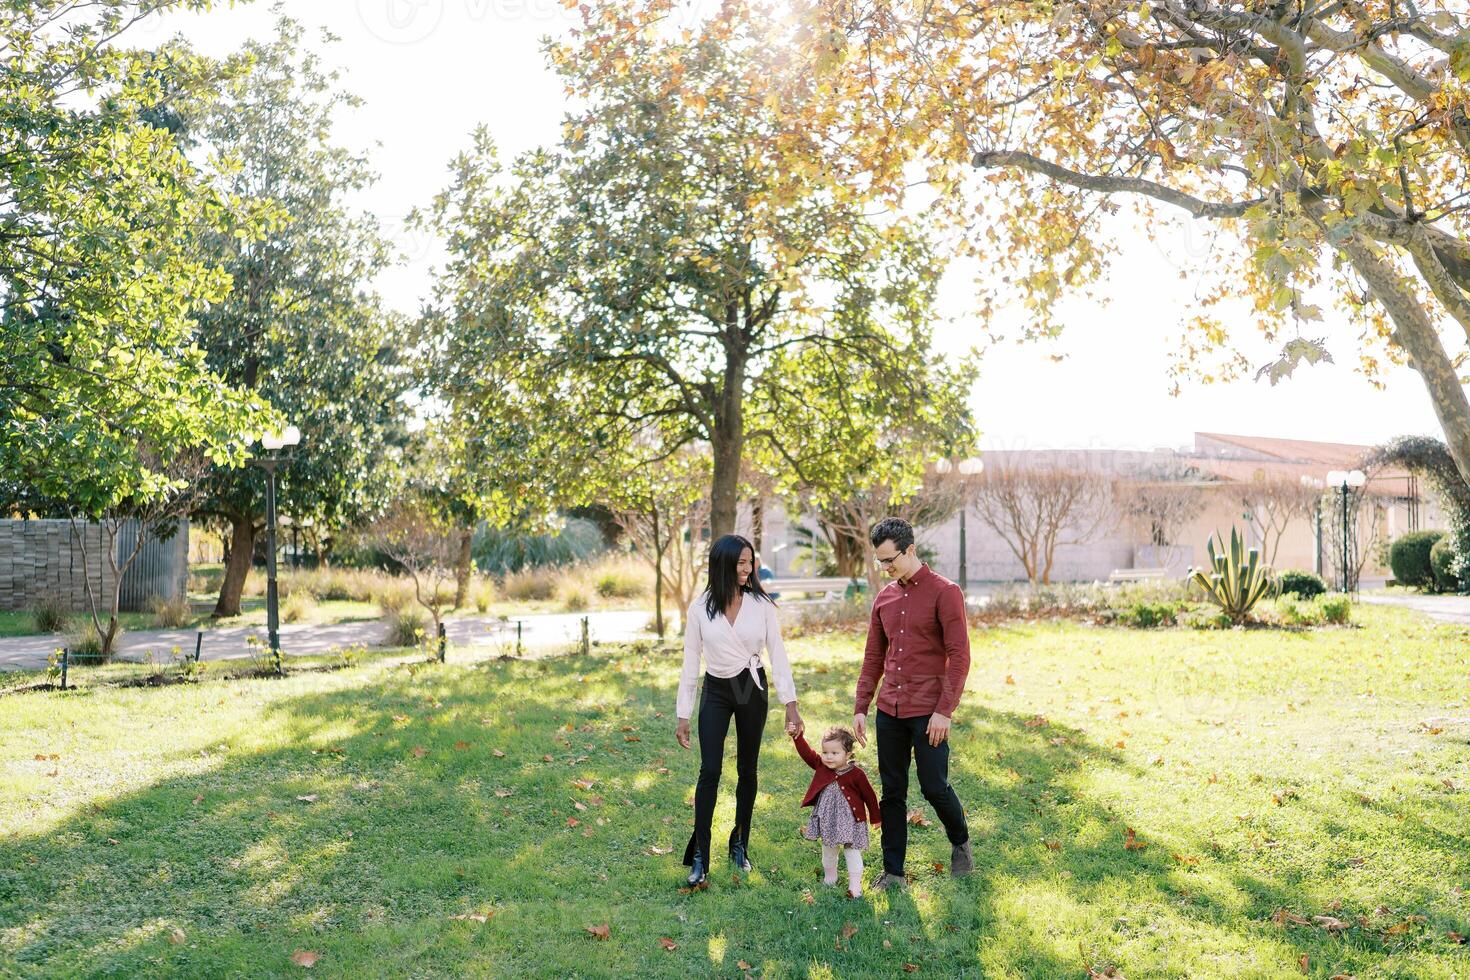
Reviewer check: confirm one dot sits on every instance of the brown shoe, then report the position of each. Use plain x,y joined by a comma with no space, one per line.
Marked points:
961,862
886,881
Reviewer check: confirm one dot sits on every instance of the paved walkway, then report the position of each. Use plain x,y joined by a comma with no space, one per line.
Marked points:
1445,608
537,632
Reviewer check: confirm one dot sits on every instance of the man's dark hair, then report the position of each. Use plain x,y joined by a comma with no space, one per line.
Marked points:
894,529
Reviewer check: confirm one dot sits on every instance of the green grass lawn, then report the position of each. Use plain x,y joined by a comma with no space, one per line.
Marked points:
216,829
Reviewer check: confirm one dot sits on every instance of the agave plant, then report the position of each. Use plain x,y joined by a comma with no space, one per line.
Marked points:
1235,579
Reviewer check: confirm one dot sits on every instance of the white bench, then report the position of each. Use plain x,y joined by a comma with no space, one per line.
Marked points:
832,588
1137,574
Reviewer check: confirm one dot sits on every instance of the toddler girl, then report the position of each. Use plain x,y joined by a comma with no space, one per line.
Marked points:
843,804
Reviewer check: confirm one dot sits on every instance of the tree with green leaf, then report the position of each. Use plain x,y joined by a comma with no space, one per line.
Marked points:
684,261
101,265
299,324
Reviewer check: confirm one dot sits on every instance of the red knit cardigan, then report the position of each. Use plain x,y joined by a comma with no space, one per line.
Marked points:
854,783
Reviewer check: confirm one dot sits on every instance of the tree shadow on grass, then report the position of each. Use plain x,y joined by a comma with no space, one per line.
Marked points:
403,827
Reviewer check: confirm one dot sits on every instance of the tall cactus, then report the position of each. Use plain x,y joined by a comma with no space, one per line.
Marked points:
1235,579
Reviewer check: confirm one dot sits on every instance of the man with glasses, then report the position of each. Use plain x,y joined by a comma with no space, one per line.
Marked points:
919,643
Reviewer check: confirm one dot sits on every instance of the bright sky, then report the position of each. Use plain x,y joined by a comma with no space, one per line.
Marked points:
431,70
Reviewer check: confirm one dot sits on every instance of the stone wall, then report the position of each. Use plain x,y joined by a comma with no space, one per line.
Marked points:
42,559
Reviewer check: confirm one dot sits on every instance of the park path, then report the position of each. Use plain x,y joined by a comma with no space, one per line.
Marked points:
1445,608
538,632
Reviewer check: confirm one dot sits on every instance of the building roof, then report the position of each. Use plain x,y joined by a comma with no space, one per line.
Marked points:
1245,459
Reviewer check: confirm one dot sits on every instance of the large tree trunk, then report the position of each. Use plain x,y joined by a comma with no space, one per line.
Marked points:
463,566
729,442
241,550
1416,333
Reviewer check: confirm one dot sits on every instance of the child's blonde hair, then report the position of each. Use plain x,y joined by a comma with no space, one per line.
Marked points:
837,733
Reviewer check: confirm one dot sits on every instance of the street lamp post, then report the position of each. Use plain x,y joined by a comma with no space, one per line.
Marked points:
1343,480
273,442
967,468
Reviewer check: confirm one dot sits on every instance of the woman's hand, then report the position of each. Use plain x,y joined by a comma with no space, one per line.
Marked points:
794,725
681,732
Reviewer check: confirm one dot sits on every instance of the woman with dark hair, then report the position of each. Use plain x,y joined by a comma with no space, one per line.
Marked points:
728,624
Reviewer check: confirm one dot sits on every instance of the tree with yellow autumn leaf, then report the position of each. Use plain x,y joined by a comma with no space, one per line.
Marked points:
1326,144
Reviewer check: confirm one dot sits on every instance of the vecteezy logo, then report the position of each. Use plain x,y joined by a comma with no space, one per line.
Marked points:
400,21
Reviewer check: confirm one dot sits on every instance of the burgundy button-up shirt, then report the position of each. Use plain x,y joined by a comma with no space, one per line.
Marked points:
919,643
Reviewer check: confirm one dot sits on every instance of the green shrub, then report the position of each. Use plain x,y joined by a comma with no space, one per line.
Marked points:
1294,612
298,606
482,594
531,585
1409,558
1147,615
1442,564
574,598
407,627
619,583
170,614
1336,610
86,642
50,615
1303,585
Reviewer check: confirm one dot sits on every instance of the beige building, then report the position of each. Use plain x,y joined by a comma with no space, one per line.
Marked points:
1254,484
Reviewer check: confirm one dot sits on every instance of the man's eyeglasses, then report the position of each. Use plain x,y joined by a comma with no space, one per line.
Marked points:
886,562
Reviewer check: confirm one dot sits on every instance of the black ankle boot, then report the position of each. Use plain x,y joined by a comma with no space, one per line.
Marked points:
739,859
697,871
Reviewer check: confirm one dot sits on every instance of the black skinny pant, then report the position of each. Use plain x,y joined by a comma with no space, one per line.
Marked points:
724,698
900,739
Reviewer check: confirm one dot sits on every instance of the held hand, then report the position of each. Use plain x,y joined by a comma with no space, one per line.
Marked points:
860,729
938,729
794,725
681,732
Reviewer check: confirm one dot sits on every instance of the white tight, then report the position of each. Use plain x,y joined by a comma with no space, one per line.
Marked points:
854,866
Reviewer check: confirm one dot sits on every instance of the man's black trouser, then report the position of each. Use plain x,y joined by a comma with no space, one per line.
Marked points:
900,739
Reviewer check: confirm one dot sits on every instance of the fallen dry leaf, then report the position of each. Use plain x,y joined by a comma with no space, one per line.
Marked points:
849,930
918,819
1188,860
742,965
461,745
1036,721
655,850
1331,923
599,931
498,754
400,717
1053,845
112,841
911,968
1304,963
305,957
808,897
938,868
668,943
419,752
631,738
582,783
1010,679
308,798
199,799
471,917
176,936
1456,938
573,822
546,758
1131,841
1284,917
